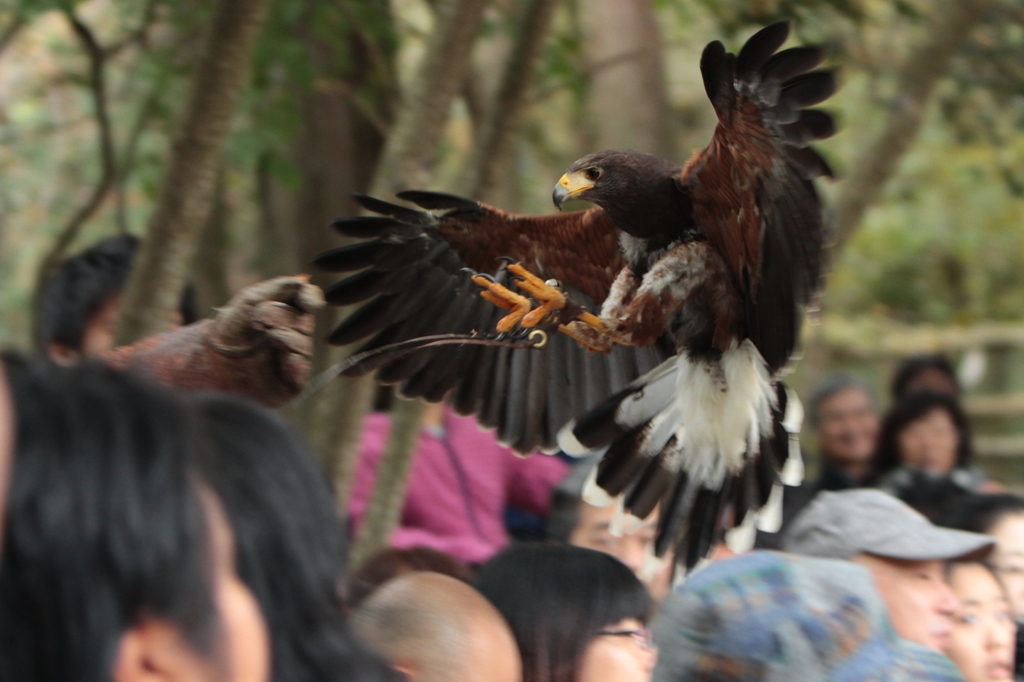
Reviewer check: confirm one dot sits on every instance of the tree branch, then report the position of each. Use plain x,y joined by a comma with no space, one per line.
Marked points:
137,37
426,104
915,83
502,114
97,88
8,35
390,484
186,193
128,157
406,162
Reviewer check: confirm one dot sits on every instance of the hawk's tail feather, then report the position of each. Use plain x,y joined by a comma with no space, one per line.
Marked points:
630,408
678,450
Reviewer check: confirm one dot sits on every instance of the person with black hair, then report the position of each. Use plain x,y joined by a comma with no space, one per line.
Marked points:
574,521
981,643
924,453
257,346
80,302
925,373
118,562
1002,517
578,615
289,540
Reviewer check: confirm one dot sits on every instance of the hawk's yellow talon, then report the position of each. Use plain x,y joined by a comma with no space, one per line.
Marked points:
504,298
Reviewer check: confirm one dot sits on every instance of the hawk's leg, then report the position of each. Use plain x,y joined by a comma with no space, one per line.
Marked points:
599,333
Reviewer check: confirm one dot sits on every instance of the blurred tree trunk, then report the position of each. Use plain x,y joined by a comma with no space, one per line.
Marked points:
915,83
410,149
628,97
497,123
336,151
10,32
336,155
161,266
406,162
210,275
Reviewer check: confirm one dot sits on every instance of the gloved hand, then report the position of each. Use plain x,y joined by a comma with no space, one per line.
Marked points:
258,346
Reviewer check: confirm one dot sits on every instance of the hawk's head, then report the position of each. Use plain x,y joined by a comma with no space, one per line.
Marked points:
637,190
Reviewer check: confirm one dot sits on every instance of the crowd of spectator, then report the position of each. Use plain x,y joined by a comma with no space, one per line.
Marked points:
168,533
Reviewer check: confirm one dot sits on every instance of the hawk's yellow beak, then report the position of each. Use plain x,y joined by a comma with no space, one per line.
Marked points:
570,186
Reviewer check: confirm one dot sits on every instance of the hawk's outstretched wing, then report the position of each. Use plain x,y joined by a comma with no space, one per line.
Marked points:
412,282
752,188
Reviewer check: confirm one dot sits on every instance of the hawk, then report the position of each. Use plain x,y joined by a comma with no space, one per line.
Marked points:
680,299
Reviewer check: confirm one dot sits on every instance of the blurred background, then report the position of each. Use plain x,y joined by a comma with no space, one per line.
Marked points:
928,205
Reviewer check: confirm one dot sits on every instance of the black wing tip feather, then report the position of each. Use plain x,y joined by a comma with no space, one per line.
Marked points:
717,79
760,47
438,201
351,257
386,208
808,89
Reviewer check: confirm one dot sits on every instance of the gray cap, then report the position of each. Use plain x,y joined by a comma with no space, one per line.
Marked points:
840,525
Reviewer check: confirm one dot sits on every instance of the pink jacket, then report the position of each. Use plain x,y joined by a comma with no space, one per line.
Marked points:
460,482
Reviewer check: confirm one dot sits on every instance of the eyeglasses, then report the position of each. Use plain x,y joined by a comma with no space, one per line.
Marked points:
642,637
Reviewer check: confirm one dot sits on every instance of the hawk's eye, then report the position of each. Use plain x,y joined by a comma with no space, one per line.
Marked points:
593,173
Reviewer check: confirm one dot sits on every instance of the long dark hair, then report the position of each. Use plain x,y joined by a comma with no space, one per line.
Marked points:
909,410
104,523
556,599
289,540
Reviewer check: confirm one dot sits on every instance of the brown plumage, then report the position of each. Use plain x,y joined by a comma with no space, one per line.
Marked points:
713,263
580,247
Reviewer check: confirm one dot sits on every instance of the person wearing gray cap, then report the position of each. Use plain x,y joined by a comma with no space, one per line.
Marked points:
902,549
774,617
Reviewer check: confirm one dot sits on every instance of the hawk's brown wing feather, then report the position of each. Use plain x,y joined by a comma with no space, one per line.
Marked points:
578,248
412,282
752,187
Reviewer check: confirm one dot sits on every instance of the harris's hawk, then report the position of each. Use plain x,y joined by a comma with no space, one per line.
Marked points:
681,297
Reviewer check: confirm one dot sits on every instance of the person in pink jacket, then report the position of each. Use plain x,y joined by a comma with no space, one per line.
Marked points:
460,484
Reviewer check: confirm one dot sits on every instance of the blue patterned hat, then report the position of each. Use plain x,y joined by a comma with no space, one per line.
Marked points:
772,617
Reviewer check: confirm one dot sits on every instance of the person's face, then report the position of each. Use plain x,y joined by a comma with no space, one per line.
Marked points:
6,444
930,443
246,642
1008,558
156,650
593,532
98,335
492,653
99,332
848,426
919,601
619,657
984,634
